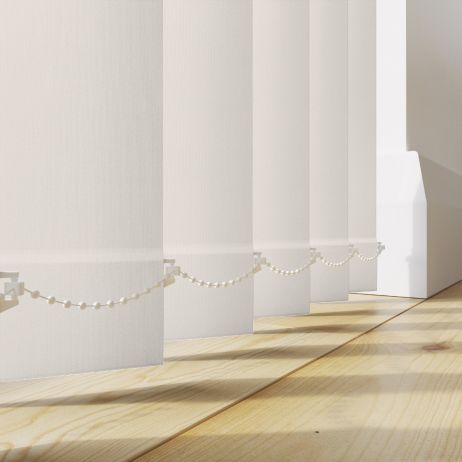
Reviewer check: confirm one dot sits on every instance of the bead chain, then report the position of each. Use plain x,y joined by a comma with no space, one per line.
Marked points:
51,300
172,271
366,259
216,284
275,269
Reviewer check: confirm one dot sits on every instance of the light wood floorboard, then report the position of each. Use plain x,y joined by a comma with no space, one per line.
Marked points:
120,415
392,395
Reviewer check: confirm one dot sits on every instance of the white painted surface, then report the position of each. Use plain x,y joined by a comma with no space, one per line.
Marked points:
208,163
444,206
362,140
391,77
423,253
434,50
401,199
81,181
280,156
402,226
329,144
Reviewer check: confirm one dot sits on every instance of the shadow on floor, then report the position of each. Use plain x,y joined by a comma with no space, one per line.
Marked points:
352,443
229,390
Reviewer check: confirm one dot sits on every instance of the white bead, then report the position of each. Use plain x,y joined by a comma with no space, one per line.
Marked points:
148,290
135,296
231,282
110,303
35,294
51,300
96,305
82,305
67,303
123,300
200,282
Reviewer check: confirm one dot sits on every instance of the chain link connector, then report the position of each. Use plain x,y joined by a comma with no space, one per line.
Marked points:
259,261
170,271
13,289
314,254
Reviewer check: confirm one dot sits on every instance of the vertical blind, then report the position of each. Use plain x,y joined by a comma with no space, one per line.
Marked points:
196,130
281,152
329,145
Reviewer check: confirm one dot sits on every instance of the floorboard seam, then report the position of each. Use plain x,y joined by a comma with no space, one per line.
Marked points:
275,381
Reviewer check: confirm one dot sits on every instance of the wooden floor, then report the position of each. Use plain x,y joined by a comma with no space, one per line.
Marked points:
392,394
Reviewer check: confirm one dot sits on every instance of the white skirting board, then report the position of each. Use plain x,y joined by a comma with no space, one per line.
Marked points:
420,219
443,190
402,226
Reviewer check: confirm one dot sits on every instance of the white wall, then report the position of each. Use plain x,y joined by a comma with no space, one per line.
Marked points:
401,201
391,76
208,163
434,50
329,145
420,189
362,150
280,155
81,181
